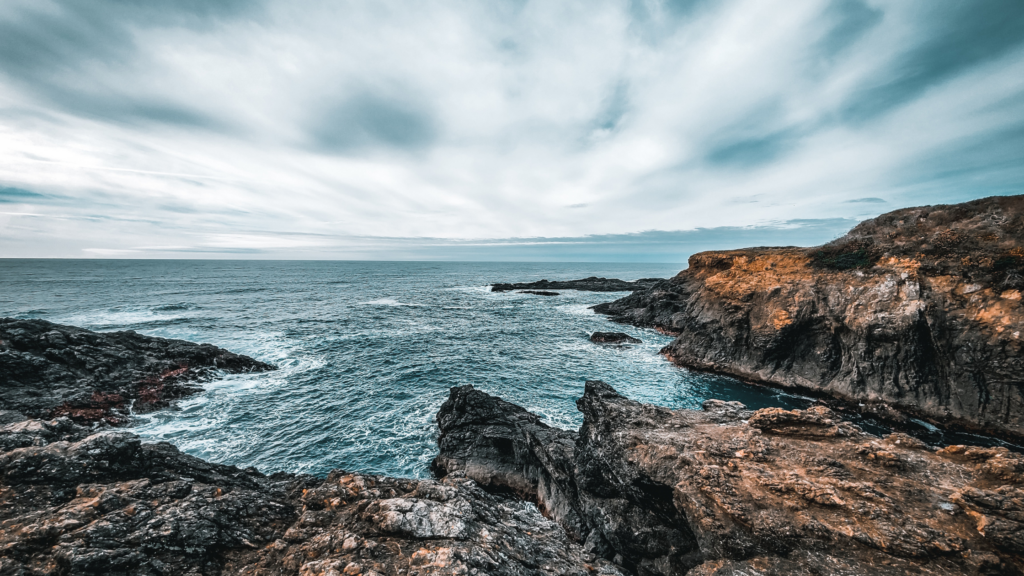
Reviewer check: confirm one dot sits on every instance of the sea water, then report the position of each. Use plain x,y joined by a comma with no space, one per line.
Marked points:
367,351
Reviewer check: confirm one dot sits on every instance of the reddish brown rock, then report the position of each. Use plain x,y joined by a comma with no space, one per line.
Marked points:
916,311
729,491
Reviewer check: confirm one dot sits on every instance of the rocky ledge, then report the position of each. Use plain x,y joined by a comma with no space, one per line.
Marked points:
49,370
728,491
592,284
74,502
918,310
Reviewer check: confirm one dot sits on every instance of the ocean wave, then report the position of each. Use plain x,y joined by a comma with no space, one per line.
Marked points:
388,302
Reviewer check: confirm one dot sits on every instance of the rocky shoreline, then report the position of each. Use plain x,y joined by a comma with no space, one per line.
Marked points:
49,370
726,490
638,490
916,312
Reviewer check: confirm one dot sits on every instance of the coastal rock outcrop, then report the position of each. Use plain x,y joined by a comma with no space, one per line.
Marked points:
591,284
726,490
613,338
49,370
73,501
918,310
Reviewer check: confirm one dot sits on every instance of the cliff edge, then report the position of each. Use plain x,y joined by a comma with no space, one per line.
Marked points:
918,310
729,491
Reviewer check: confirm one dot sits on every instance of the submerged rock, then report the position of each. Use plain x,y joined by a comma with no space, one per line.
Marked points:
49,370
727,490
592,284
75,502
614,338
917,311
538,293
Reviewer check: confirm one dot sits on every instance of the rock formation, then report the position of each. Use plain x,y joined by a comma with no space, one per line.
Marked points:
538,292
613,338
728,491
592,284
49,370
77,502
918,310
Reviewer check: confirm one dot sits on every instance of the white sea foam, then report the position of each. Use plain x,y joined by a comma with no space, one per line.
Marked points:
387,302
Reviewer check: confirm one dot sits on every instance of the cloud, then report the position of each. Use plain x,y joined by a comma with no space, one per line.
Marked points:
17,195
473,122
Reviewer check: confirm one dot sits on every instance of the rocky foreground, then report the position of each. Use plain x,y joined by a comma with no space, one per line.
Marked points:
915,312
639,490
49,370
728,491
592,284
77,502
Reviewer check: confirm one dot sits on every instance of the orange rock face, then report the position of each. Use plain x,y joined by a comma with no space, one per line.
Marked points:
918,310
729,491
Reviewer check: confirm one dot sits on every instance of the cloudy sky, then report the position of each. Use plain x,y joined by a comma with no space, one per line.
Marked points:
498,129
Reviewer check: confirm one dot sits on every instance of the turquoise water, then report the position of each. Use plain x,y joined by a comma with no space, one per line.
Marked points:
367,350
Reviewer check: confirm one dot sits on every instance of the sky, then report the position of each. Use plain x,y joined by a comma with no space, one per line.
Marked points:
596,130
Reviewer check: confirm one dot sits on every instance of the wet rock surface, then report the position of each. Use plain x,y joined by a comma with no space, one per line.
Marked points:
74,501
916,312
613,338
729,491
49,370
592,284
538,292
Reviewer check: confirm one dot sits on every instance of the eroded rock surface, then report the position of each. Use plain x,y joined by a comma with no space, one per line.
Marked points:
77,502
729,491
592,284
918,310
51,370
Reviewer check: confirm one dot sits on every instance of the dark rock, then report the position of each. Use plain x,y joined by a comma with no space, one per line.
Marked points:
727,491
592,284
72,502
614,338
916,312
49,370
538,293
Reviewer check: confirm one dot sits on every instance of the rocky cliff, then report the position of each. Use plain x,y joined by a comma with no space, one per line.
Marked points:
727,491
917,310
51,370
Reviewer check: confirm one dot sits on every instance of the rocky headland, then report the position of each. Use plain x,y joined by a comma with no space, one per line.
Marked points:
591,284
49,370
729,491
916,312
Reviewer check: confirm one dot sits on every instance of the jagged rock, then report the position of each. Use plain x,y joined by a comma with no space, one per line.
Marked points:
614,338
916,311
82,503
591,284
728,491
49,370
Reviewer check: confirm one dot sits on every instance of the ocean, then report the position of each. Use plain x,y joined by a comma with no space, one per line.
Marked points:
367,351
